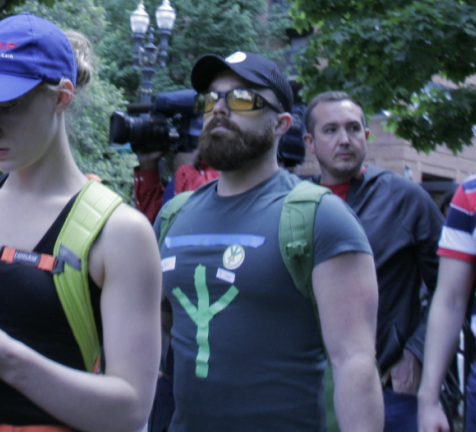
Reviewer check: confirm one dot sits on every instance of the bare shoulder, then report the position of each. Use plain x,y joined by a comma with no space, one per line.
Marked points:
128,240
126,221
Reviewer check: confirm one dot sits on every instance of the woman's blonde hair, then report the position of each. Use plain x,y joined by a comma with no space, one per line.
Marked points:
84,55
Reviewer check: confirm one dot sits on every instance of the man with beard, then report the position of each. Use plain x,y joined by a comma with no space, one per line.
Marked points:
249,355
403,226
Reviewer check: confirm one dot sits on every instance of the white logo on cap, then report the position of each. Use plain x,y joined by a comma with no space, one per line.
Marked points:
237,57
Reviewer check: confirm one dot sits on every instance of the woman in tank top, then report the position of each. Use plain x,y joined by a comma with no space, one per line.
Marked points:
44,385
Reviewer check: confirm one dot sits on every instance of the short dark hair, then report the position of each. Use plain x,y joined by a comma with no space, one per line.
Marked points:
330,96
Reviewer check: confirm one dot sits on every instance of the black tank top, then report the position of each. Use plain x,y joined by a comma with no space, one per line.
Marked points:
31,312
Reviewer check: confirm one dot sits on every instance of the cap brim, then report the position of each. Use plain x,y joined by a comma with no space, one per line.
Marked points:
210,65
12,87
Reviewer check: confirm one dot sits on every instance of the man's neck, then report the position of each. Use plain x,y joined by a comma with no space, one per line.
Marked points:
252,174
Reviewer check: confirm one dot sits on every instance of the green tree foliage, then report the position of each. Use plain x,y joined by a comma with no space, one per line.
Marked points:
7,6
116,47
216,26
88,127
386,52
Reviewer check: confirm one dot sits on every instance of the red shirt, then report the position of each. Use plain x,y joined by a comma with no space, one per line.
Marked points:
187,177
341,189
149,191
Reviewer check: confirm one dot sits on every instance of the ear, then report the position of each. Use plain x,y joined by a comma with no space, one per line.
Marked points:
283,124
309,140
367,133
65,96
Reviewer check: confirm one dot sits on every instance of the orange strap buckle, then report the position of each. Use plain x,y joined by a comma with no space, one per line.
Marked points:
33,259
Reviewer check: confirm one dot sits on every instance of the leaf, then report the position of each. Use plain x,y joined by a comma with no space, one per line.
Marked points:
384,53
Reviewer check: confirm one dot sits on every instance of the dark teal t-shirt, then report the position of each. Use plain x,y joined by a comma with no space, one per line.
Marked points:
248,353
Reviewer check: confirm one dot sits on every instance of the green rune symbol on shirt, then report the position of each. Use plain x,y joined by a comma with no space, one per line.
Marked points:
202,314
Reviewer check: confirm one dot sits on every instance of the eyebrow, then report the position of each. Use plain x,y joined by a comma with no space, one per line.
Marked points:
351,122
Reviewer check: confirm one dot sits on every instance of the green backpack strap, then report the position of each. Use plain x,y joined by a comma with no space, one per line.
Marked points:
89,213
170,212
296,241
296,233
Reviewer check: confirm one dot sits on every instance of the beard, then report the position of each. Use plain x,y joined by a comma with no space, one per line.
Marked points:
231,149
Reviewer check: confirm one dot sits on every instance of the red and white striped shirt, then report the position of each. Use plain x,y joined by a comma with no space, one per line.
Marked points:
458,238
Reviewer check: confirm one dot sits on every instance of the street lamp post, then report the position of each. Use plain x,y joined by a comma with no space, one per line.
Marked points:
149,56
165,17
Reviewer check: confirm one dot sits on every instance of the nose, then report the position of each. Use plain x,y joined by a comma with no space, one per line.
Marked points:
220,107
343,137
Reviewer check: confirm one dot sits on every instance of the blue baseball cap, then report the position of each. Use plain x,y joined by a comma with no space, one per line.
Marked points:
32,50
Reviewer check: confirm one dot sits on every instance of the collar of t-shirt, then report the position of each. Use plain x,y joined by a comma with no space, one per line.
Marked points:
341,189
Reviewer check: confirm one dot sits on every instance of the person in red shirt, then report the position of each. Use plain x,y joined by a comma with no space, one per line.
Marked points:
150,194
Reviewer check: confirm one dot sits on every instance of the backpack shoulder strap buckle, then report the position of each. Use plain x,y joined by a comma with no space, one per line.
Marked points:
297,248
66,255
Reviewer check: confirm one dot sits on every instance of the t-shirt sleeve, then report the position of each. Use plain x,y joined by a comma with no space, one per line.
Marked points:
456,239
337,230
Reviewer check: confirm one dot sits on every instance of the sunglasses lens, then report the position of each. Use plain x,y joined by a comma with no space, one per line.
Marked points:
204,102
240,100
237,100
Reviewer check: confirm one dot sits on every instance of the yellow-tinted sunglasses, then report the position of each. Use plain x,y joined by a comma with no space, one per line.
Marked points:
236,100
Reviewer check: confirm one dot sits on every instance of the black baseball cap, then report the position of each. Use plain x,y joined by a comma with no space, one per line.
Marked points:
252,67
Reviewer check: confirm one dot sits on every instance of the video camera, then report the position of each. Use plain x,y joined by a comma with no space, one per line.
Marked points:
170,124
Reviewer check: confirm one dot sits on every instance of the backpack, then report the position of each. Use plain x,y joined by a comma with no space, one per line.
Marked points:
69,264
296,230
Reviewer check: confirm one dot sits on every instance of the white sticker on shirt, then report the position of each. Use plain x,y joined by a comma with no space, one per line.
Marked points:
168,264
233,257
225,275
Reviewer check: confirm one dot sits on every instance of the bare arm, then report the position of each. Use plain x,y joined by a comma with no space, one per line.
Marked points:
126,263
346,291
446,318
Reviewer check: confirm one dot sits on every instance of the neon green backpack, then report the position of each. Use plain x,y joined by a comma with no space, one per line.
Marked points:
90,211
69,264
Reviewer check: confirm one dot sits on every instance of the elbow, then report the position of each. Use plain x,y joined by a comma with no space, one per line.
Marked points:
128,415
134,420
138,414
